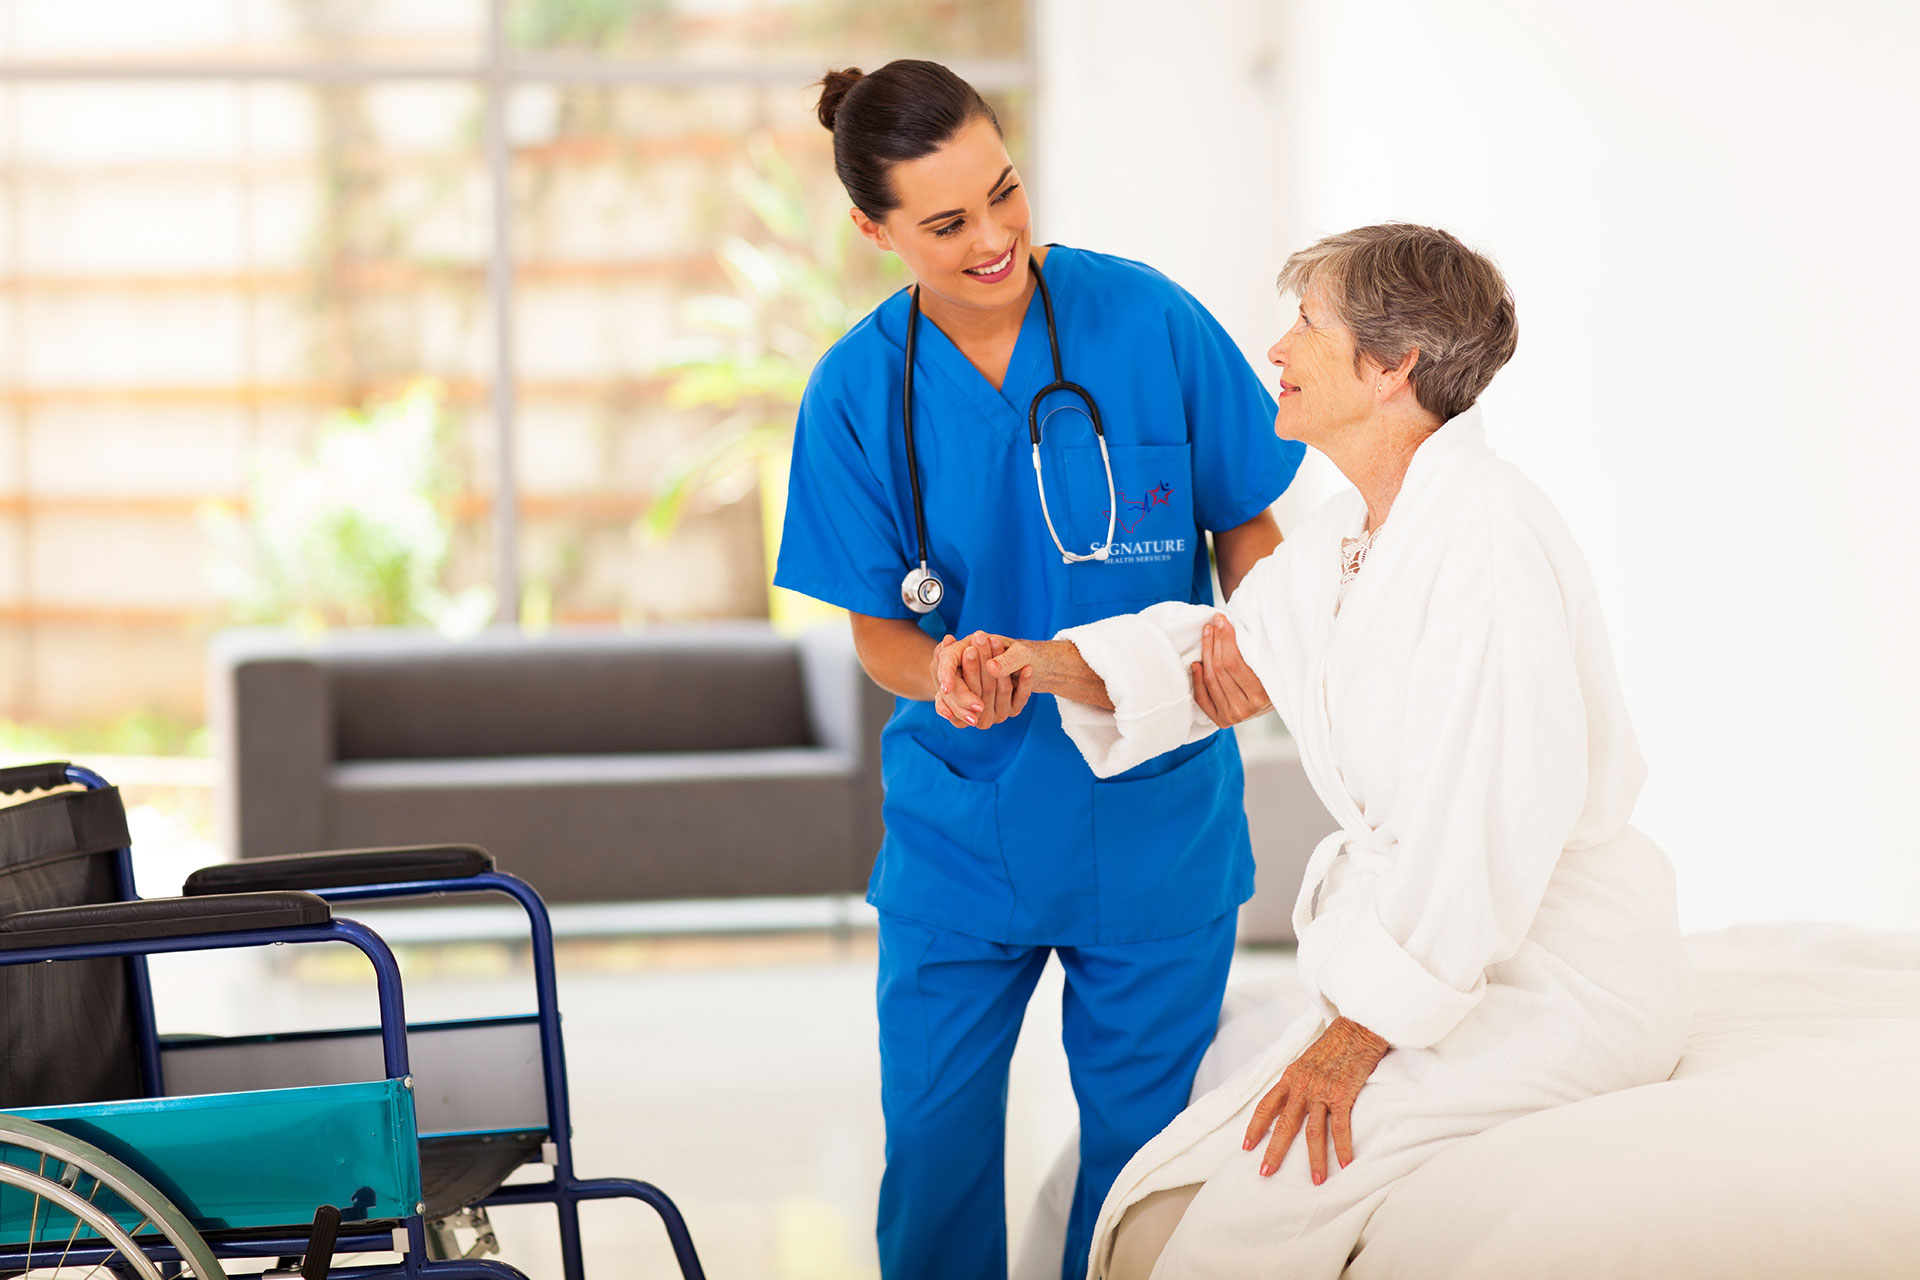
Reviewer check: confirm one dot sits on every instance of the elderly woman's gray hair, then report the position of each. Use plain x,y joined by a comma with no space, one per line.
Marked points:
1399,286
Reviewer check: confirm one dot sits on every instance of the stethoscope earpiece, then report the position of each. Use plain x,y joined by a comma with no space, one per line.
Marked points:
921,590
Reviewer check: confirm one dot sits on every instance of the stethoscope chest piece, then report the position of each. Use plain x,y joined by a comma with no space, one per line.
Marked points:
921,590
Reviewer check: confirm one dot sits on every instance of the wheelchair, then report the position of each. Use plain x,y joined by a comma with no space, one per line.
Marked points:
126,1154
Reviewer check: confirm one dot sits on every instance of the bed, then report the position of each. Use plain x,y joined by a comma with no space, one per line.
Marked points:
1787,1143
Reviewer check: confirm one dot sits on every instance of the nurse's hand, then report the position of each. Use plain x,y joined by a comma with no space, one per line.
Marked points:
1223,684
953,700
1318,1091
965,694
1005,696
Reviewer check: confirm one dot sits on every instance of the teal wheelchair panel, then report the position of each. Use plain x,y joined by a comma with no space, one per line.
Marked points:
234,1161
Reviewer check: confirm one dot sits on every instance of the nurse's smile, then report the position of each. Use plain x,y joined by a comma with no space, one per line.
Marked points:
996,271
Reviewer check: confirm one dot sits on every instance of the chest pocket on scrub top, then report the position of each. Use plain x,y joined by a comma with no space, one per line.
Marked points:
1153,532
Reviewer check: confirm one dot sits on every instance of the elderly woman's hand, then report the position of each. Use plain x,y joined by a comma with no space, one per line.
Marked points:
965,694
1223,684
1318,1090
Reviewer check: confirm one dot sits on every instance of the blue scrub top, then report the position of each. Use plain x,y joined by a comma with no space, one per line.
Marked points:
1005,834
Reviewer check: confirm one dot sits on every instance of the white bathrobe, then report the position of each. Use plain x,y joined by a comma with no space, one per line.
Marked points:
1485,906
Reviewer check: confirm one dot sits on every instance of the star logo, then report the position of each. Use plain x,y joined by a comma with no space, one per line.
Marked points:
1134,511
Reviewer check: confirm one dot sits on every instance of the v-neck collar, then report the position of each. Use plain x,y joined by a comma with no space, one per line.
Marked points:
1006,408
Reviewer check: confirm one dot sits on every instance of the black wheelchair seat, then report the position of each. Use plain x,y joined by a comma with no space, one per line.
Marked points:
462,1169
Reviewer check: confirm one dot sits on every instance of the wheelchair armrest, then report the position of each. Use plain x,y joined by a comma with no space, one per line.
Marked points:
33,777
152,918
343,869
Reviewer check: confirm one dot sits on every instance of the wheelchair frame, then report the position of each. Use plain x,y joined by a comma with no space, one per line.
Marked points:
565,1191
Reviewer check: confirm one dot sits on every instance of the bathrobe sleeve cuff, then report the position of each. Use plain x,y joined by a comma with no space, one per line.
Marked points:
1140,658
1371,979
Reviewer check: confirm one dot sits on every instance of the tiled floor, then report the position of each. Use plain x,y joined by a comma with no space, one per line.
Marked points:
739,1074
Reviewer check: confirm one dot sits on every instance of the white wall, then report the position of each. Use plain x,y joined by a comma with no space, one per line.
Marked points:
1706,210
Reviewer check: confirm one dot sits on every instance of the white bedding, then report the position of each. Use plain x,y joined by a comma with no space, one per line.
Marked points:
1787,1143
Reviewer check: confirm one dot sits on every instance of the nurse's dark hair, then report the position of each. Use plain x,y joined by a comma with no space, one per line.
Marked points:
1399,286
905,110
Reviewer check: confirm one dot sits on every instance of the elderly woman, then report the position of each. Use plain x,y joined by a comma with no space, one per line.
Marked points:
1485,936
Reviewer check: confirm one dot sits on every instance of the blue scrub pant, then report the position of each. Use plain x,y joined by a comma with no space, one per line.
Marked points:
1136,1019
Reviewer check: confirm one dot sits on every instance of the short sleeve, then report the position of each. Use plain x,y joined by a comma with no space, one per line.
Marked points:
1239,466
840,542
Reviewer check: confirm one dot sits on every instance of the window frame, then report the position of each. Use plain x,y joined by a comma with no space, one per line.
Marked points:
496,74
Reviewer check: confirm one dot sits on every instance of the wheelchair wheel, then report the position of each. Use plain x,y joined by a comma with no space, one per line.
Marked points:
68,1209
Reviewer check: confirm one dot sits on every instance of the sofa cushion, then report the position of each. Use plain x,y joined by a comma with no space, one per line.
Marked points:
624,828
507,772
718,689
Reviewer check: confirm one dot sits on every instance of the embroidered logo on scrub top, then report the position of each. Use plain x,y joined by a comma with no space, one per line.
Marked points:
1133,514
1134,511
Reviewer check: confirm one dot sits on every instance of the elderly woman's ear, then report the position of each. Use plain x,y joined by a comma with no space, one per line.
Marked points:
1392,381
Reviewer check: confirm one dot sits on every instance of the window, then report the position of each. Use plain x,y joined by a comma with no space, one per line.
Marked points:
516,286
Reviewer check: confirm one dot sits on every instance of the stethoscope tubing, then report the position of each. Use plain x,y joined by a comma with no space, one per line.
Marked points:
1059,384
906,416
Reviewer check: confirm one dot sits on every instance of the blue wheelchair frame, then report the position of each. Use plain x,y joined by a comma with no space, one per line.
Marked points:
565,1191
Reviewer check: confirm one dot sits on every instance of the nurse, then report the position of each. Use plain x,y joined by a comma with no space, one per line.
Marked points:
1001,846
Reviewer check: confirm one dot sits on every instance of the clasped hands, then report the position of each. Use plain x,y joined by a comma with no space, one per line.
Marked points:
969,696
985,679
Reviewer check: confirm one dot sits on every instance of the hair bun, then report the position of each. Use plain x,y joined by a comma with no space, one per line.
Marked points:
833,91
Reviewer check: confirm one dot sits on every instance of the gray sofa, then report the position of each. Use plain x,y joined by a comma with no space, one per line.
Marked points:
708,762
719,761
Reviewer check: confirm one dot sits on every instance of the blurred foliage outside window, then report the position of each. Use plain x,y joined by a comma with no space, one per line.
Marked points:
748,353
245,326
354,534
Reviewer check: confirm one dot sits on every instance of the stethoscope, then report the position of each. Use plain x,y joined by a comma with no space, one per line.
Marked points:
922,589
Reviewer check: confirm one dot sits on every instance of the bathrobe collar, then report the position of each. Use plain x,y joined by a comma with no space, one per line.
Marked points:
1459,442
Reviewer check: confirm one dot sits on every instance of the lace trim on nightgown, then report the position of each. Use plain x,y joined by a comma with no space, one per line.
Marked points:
1353,555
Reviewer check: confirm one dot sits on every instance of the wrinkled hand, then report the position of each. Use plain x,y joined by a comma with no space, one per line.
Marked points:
966,694
1021,658
1223,684
1318,1091
1054,667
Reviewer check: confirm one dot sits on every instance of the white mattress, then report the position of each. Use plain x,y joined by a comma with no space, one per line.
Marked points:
1786,1145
